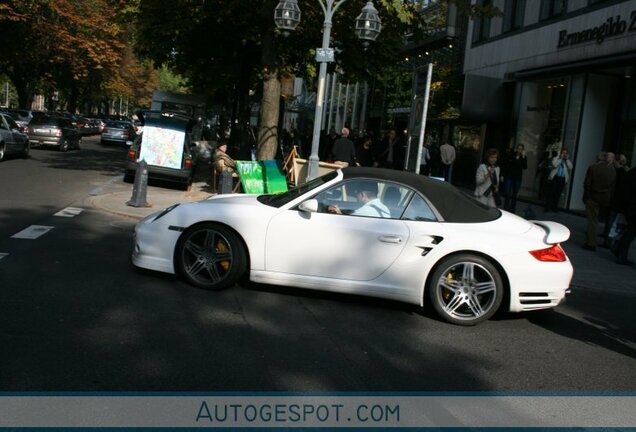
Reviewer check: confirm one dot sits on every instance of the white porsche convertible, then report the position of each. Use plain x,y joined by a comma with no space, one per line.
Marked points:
366,231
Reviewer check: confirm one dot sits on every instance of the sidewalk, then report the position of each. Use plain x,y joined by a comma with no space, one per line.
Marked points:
592,270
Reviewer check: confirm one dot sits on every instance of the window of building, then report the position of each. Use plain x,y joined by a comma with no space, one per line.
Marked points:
552,8
514,11
481,29
421,4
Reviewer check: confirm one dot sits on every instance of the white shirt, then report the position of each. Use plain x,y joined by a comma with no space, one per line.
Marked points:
373,208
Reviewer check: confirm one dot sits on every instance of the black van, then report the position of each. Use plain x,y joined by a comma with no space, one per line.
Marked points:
167,147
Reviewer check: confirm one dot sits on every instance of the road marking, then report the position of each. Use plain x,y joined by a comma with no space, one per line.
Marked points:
69,212
33,232
2,255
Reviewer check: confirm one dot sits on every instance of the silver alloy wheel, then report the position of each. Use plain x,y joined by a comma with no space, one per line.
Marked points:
1,151
466,292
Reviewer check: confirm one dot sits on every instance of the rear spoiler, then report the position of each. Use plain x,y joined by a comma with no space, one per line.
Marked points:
555,232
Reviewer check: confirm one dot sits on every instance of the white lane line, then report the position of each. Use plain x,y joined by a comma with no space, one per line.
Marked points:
2,255
33,232
69,212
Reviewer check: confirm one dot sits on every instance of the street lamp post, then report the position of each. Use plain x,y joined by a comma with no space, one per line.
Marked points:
368,26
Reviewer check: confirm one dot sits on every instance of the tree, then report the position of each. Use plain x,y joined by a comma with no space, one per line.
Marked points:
226,50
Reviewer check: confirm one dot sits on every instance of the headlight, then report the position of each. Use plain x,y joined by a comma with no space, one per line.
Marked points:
165,212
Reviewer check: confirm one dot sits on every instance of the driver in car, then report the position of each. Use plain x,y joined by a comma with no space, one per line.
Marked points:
366,193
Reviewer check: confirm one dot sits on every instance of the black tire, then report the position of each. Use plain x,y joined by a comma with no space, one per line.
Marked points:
64,146
26,153
466,289
210,256
1,152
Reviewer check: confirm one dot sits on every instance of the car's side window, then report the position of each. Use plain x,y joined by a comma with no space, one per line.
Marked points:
365,197
419,210
340,196
3,123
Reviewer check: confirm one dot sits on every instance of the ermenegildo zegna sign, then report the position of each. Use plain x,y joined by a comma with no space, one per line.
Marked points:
613,26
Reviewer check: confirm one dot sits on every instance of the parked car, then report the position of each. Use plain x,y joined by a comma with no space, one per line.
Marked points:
52,130
21,117
12,139
395,235
85,126
166,146
118,132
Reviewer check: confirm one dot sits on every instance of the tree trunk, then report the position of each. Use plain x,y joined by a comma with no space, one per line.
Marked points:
24,88
270,105
268,124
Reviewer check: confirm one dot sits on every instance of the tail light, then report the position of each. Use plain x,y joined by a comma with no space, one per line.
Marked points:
188,163
104,130
58,132
552,254
132,154
126,133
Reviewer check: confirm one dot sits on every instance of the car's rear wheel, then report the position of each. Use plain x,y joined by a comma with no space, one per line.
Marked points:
466,289
210,256
64,146
1,151
26,151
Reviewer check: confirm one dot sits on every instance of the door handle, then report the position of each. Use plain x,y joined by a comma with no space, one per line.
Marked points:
390,239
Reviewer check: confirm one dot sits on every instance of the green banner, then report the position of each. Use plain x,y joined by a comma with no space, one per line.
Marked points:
259,177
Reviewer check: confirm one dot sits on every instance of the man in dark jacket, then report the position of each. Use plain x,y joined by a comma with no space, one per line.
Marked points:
629,209
343,151
597,193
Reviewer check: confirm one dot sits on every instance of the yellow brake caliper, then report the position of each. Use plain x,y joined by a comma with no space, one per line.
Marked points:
221,246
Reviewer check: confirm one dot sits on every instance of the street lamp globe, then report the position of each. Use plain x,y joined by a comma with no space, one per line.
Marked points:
287,15
368,24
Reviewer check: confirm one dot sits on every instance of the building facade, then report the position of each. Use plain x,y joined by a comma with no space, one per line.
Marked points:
552,74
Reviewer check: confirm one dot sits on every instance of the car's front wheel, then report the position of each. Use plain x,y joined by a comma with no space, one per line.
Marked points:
466,289
64,146
210,256
27,151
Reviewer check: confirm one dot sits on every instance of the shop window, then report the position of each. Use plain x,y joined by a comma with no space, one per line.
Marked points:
514,12
481,29
552,8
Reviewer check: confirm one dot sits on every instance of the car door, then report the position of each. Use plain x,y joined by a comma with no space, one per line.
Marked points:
18,138
338,246
6,135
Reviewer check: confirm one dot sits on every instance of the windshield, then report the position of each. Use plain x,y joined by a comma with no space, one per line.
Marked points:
280,200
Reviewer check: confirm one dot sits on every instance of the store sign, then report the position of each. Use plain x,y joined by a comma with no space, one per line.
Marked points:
612,27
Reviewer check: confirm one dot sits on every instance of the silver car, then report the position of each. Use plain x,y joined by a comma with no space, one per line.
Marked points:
52,130
12,139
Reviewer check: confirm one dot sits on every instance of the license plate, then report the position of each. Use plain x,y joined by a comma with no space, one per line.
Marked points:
41,130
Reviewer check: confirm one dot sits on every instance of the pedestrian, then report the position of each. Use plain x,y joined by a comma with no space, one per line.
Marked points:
559,176
597,194
629,210
343,151
617,203
426,157
447,156
365,153
487,179
514,164
391,152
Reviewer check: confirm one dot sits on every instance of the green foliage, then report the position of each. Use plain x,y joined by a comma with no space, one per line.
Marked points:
170,81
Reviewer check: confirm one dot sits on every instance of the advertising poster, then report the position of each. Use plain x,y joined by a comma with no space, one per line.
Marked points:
162,147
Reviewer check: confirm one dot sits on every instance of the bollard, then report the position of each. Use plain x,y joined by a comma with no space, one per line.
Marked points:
140,187
225,182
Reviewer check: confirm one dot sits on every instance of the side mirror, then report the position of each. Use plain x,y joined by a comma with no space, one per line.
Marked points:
310,206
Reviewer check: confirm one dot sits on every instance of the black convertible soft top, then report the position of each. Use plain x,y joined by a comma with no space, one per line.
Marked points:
453,204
